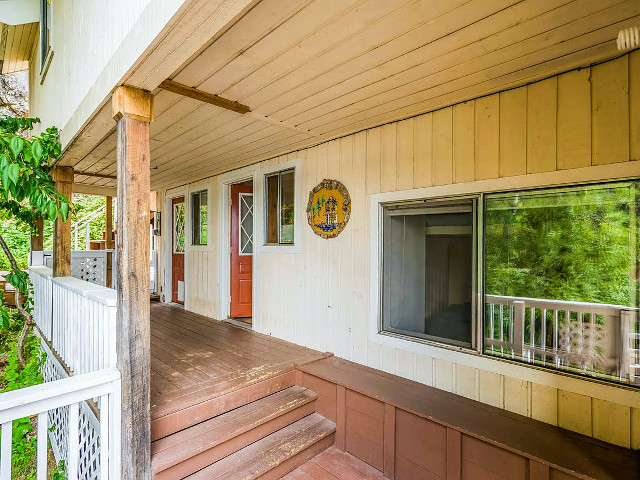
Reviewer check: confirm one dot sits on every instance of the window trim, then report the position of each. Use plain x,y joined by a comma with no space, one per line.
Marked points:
192,212
441,356
474,345
45,57
259,205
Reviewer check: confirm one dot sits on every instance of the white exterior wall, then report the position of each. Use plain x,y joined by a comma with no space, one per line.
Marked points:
95,43
580,126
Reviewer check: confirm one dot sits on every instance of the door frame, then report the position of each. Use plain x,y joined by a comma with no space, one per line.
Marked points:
225,181
168,245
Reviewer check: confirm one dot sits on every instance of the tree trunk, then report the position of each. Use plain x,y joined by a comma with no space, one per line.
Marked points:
28,320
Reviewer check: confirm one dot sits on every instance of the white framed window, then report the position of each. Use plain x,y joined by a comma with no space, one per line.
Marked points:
46,44
546,276
428,270
199,217
279,207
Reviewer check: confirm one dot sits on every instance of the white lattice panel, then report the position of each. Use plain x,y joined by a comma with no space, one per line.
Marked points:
89,428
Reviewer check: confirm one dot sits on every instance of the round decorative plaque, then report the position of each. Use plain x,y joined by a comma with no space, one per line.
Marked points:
329,208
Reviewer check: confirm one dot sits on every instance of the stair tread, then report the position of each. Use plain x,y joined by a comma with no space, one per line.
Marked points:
182,445
263,455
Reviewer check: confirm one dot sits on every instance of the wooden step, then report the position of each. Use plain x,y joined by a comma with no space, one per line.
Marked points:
192,449
203,405
275,455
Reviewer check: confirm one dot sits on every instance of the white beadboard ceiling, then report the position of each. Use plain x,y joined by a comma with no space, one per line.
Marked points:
312,70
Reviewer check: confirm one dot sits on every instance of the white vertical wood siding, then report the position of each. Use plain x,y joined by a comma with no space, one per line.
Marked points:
320,297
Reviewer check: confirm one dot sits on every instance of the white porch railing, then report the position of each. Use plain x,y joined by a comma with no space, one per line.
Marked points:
69,394
76,321
89,265
589,337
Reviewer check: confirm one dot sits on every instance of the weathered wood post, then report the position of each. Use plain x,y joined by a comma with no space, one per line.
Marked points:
132,110
108,241
63,178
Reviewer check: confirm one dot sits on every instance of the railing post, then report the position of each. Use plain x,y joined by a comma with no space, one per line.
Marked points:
626,317
132,110
518,327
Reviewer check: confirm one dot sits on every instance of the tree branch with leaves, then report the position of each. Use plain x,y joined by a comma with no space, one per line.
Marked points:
27,192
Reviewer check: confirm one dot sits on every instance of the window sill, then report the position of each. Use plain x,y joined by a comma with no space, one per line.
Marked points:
594,387
277,248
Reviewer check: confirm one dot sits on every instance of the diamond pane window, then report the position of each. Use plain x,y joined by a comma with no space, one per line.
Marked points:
178,228
246,224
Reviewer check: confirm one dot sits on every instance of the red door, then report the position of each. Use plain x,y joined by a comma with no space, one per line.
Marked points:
241,250
177,257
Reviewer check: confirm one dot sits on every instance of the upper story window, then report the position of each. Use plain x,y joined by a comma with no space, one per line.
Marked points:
199,218
556,285
279,207
45,32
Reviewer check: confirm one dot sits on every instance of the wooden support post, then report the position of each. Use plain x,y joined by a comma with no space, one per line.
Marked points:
37,240
132,110
109,224
63,178
108,244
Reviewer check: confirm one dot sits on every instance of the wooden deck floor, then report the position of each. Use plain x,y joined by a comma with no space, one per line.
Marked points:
195,358
332,464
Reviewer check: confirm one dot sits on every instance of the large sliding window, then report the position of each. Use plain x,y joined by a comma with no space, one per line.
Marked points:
561,278
553,280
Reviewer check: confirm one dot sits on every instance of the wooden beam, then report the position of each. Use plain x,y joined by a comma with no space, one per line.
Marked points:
132,109
206,97
94,190
63,178
97,175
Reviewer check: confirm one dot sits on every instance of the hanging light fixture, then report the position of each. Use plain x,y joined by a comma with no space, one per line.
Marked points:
629,38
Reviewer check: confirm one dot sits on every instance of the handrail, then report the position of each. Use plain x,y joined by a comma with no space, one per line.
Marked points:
595,338
38,398
79,223
69,393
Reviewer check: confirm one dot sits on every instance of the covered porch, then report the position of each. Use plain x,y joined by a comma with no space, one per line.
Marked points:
227,401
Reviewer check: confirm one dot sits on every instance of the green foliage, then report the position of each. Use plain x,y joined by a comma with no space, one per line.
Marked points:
17,235
572,245
60,472
14,377
26,188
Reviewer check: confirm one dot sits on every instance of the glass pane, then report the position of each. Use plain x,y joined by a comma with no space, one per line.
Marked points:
204,218
272,209
428,271
195,221
246,224
178,227
287,196
199,220
561,277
